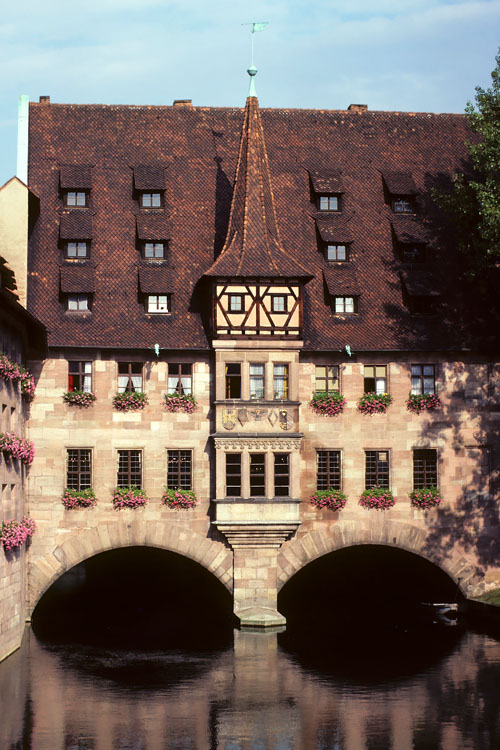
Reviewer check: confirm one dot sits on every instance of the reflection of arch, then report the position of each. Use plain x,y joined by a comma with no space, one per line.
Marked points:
297,553
213,556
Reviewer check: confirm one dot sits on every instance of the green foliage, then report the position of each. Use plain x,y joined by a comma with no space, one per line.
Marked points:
491,597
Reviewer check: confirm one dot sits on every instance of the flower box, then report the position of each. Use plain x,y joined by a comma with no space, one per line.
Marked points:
129,497
13,534
331,499
15,447
130,401
329,404
426,497
79,498
377,498
419,402
179,499
374,403
79,398
13,372
180,402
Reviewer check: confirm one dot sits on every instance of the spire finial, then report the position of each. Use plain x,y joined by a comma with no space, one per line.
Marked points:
252,70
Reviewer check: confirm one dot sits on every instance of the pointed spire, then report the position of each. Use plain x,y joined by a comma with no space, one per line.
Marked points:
253,246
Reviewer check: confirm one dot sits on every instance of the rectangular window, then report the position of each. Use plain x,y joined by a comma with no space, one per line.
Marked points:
327,379
75,249
157,303
281,475
375,379
413,253
257,381
78,468
257,474
80,376
180,378
76,198
129,469
233,474
280,381
336,252
402,205
376,469
129,377
329,203
328,468
344,305
424,468
153,250
279,302
423,379
233,380
150,200
236,303
179,470
78,302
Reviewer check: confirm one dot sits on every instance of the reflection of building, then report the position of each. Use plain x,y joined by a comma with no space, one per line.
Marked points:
324,270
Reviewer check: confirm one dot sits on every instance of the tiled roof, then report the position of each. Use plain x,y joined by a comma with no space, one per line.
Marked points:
400,183
334,228
75,176
341,279
326,181
77,278
153,227
421,283
409,230
76,225
200,146
149,177
156,280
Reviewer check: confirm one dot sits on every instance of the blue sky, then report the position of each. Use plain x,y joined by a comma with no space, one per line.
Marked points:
423,55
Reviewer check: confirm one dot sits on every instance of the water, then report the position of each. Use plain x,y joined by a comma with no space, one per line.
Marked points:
362,686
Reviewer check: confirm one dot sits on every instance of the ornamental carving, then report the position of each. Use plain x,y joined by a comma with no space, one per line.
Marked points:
257,444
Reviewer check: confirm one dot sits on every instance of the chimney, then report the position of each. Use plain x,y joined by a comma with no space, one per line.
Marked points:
357,107
44,100
183,103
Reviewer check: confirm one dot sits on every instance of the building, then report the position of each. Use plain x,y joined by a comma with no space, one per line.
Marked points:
229,266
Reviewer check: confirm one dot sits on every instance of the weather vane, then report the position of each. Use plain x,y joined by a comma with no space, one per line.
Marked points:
252,70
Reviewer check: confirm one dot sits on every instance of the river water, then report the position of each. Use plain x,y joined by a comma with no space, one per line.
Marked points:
431,687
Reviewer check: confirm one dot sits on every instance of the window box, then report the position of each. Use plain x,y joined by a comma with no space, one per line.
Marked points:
15,447
374,403
330,498
73,499
328,404
179,499
419,402
13,534
129,497
426,497
79,398
378,498
130,400
13,371
180,402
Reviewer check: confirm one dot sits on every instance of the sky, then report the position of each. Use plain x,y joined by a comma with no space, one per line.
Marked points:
419,56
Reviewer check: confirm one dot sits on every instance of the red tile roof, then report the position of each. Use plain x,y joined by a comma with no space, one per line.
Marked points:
77,278
76,225
75,177
400,183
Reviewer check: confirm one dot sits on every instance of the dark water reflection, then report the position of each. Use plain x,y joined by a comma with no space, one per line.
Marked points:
391,688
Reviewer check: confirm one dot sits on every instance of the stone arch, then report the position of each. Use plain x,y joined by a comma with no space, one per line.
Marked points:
212,555
297,553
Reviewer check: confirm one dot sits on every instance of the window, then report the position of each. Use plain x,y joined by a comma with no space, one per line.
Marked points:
424,469
423,379
376,469
328,470
423,305
413,253
402,205
153,250
257,381
129,469
336,252
233,474
76,249
179,470
76,198
327,379
344,305
129,377
233,380
150,200
257,474
80,376
329,202
281,475
280,381
375,379
78,302
279,302
236,303
180,379
78,468
157,303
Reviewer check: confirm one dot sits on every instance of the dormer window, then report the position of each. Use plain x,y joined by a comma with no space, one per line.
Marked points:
403,205
327,189
77,249
75,181
400,192
236,303
76,198
149,185
329,202
413,253
154,250
78,302
150,200
279,303
345,305
157,303
336,253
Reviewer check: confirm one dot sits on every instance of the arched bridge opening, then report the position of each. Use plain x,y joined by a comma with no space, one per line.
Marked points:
137,597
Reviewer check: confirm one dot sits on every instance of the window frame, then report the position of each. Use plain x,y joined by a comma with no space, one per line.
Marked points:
281,471
77,256
82,474
406,203
184,373
274,298
328,469
83,301
426,475
76,193
232,380
183,475
130,387
233,297
330,246
381,474
413,252
230,476
129,472
327,379
257,474
257,377
283,378
154,243
77,369
152,301
344,298
376,376
151,193
422,377
322,197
